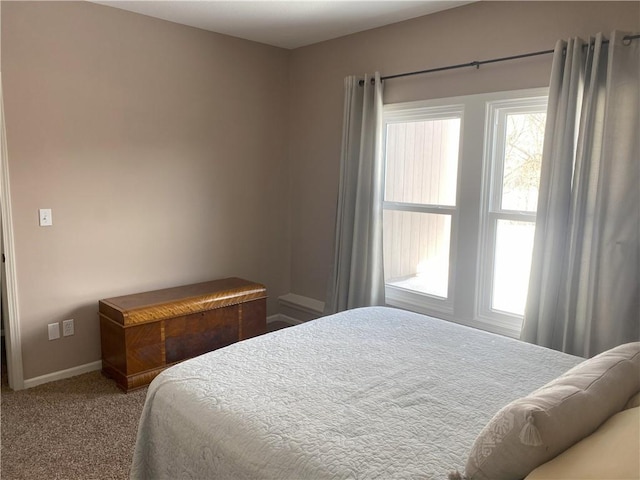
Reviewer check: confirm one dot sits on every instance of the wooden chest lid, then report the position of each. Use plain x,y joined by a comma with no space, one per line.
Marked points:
177,301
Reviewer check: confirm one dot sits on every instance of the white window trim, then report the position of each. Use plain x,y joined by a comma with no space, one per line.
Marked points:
398,296
464,299
525,101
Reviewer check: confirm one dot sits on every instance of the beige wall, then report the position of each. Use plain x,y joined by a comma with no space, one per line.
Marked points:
477,31
161,150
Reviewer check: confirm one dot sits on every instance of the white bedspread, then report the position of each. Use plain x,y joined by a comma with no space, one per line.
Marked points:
369,393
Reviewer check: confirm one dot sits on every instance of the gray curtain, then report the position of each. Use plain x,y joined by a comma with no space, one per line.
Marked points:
584,293
357,275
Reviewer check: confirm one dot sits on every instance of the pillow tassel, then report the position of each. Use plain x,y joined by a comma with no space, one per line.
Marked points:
530,435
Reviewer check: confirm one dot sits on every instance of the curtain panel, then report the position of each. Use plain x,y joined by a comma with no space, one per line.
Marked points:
357,278
584,293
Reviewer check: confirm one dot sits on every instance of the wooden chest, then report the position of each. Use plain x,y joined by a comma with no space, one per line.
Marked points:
144,333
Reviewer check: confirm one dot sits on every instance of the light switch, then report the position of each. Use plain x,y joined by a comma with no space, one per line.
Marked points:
45,217
54,330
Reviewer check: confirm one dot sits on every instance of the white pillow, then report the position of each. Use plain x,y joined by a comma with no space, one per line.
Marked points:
532,430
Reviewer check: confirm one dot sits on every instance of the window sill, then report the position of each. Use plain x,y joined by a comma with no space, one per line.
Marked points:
443,309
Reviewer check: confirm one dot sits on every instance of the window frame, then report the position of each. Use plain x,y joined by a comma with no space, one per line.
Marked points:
468,222
402,297
491,210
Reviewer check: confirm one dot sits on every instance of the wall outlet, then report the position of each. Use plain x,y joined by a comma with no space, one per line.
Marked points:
54,330
67,327
46,220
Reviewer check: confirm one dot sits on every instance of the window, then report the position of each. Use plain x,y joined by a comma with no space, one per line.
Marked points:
514,140
461,184
420,199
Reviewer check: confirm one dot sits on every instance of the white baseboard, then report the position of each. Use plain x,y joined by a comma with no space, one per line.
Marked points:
300,308
62,374
300,302
280,317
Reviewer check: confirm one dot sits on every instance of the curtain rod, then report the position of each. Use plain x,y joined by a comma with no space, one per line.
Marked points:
477,63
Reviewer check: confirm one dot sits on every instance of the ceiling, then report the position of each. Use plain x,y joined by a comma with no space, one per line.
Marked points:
287,24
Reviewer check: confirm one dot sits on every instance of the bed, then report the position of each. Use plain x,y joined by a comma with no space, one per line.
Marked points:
368,393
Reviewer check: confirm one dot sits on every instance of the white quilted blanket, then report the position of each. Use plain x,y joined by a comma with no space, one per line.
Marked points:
368,393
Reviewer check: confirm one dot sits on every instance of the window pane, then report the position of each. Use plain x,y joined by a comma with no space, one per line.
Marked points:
512,262
416,251
422,162
523,153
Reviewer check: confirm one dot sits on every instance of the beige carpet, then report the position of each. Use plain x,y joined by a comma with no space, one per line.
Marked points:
78,428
